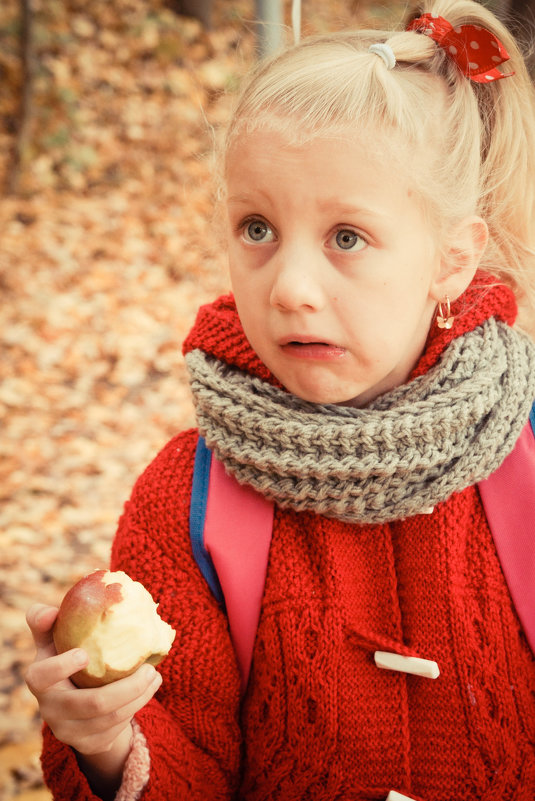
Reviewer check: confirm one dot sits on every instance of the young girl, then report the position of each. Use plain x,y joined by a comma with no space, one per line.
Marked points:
365,376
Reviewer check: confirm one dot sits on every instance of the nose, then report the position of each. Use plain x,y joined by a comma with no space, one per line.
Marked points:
296,281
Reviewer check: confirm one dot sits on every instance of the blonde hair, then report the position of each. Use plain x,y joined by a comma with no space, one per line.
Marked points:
472,145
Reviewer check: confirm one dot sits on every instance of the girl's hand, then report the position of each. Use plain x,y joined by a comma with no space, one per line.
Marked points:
95,722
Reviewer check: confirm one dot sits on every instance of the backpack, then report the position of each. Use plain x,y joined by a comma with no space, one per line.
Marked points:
234,564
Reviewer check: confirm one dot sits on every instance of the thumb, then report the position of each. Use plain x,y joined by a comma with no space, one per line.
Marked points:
41,619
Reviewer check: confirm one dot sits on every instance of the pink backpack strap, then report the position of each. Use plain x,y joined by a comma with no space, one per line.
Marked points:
236,538
508,497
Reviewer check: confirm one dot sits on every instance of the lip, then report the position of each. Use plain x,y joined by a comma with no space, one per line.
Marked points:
309,347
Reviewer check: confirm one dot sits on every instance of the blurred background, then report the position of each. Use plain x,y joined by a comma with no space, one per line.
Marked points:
109,114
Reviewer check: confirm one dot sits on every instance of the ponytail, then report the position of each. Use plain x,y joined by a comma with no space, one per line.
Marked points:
506,202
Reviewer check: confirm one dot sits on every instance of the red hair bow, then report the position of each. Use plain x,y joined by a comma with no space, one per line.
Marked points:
475,50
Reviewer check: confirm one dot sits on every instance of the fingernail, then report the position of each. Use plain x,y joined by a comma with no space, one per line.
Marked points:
39,615
149,672
79,657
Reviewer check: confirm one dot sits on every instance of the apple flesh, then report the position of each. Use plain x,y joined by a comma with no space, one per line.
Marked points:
114,619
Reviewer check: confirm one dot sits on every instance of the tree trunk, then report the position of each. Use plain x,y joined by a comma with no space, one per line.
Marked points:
23,134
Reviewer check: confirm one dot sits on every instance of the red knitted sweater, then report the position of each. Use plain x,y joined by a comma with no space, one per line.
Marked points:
320,721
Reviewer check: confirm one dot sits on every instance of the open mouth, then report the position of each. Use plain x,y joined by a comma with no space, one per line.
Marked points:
313,349
298,343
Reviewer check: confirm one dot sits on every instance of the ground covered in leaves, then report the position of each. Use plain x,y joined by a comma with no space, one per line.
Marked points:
108,244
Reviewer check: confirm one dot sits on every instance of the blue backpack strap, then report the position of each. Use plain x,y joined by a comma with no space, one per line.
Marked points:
197,518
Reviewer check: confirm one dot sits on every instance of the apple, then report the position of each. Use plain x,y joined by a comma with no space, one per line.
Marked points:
114,619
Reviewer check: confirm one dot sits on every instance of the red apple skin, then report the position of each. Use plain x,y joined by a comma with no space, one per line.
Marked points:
85,680
83,605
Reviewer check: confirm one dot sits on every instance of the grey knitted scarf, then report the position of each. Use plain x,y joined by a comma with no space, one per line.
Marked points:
407,451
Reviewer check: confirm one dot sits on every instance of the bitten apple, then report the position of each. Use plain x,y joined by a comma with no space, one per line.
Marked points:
114,619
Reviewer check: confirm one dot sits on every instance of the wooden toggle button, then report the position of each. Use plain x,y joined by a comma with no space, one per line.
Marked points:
393,795
407,664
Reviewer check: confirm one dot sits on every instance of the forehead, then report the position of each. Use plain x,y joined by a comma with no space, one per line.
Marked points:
329,166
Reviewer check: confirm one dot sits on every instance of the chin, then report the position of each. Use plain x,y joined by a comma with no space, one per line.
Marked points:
323,396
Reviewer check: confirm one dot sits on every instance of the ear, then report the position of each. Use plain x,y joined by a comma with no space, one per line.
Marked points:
464,247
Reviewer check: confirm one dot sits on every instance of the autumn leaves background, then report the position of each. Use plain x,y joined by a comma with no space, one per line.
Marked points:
108,117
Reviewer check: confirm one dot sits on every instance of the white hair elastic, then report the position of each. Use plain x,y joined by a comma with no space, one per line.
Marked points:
385,52
296,20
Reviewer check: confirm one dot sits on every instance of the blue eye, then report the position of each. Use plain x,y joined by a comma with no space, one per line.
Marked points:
346,239
258,231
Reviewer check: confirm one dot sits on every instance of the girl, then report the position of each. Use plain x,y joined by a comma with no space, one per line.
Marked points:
365,375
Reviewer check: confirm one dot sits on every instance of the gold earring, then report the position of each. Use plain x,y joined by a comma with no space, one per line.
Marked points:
445,320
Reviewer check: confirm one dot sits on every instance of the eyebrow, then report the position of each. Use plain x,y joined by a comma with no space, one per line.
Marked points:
328,204
243,198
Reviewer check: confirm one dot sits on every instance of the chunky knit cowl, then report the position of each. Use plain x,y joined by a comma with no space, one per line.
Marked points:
449,427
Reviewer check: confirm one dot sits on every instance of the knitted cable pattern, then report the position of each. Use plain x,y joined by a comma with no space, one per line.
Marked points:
408,450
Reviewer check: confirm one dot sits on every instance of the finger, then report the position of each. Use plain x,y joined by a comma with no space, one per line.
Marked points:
44,674
96,734
128,710
40,619
121,699
87,721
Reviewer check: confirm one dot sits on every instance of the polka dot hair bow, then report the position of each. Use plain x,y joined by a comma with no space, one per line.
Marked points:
475,50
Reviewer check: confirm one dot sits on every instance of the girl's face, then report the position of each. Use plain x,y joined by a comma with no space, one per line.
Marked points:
332,263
